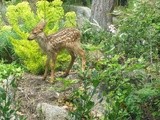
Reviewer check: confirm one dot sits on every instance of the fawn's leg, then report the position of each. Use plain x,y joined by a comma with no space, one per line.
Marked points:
83,57
73,57
46,68
52,68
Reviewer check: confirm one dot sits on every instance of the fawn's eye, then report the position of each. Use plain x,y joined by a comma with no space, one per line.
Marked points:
34,32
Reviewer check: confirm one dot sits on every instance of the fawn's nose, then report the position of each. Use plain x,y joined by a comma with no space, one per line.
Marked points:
29,38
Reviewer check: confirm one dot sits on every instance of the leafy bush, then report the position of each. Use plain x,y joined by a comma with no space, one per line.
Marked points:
6,49
125,85
9,69
93,36
137,35
139,30
33,59
23,20
128,89
8,105
82,98
9,73
128,74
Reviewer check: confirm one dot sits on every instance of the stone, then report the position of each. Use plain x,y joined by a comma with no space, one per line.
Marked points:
46,111
83,14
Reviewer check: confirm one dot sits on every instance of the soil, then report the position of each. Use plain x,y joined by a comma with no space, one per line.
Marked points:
33,90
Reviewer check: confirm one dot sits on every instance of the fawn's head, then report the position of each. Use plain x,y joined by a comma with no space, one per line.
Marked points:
37,30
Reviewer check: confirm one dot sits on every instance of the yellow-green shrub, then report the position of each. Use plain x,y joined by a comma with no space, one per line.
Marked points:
23,20
30,55
70,22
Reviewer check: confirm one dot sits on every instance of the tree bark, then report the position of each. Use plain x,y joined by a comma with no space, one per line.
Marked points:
3,12
101,12
32,4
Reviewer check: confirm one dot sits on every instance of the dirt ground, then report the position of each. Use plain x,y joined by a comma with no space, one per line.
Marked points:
33,90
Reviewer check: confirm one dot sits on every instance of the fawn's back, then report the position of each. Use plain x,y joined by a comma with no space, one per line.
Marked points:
66,38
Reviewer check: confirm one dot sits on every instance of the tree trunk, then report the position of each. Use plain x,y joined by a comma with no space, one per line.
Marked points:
101,12
3,12
32,4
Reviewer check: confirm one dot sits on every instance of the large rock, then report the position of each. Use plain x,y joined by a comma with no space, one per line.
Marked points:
50,112
83,14
82,11
98,110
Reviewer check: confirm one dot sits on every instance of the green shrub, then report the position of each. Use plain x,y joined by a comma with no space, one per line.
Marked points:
6,49
129,89
23,20
93,36
9,69
33,59
139,30
129,71
9,74
82,98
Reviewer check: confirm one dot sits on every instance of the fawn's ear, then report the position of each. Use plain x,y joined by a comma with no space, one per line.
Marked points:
41,25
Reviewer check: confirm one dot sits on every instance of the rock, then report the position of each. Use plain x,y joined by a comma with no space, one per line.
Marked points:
82,11
50,112
7,84
83,14
98,110
96,55
73,76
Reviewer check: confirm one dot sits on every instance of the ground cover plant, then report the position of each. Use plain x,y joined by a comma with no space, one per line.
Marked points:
129,69
9,75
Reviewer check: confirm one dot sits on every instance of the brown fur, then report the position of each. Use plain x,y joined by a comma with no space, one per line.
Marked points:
68,38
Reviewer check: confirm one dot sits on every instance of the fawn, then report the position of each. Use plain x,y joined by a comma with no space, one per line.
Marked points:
51,45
